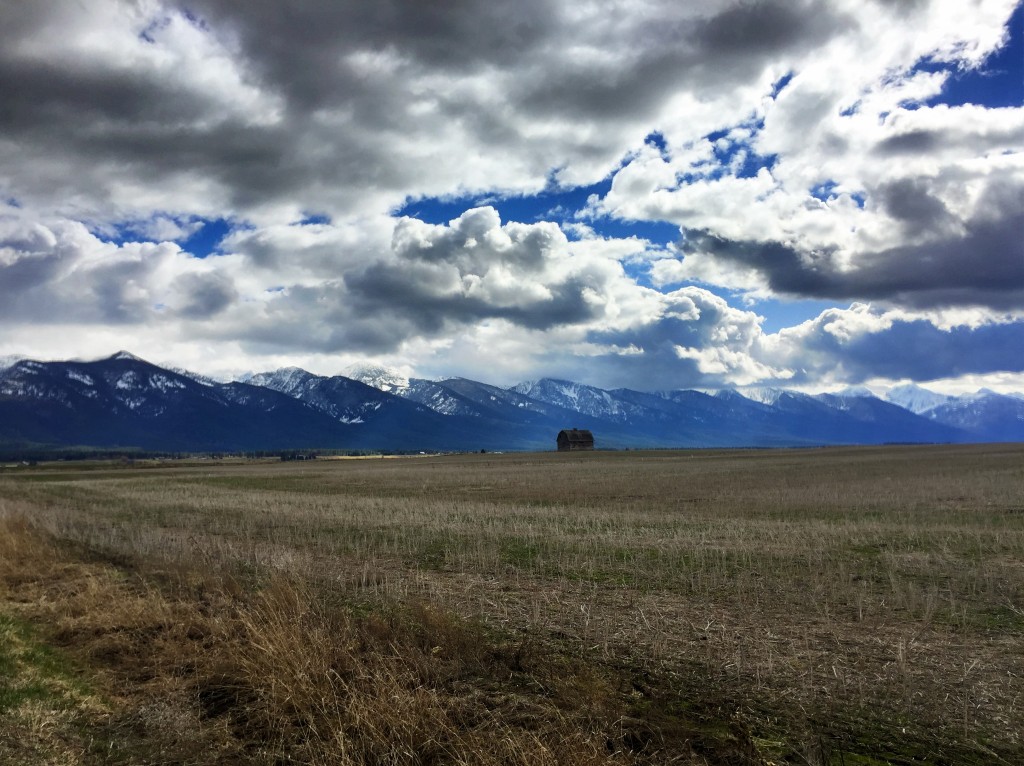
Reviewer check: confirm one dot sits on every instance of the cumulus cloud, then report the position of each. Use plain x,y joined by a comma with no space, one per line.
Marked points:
353,105
431,280
58,271
864,192
859,343
982,264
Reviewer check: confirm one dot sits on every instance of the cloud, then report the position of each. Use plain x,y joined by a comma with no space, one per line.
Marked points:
204,295
943,231
795,145
981,264
161,228
431,280
859,344
696,339
865,193
58,272
238,113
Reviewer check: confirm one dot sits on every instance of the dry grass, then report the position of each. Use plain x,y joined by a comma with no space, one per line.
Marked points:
190,668
828,606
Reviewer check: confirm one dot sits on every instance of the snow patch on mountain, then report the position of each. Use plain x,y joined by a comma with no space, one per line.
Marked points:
28,366
163,383
856,392
767,396
436,396
81,377
127,382
125,356
202,380
7,362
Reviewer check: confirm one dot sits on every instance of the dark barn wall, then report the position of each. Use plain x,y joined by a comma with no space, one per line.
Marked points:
574,439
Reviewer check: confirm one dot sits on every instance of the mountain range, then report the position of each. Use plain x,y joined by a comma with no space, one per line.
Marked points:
124,402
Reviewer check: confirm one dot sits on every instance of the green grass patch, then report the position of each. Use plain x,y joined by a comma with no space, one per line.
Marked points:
32,671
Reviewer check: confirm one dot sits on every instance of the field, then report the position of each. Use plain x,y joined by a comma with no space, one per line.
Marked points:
835,606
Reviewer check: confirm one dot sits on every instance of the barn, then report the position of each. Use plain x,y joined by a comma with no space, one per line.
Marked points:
572,439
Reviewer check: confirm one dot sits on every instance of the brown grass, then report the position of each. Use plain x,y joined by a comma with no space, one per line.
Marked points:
825,606
202,671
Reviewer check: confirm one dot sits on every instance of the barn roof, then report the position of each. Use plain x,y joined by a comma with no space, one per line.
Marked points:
576,435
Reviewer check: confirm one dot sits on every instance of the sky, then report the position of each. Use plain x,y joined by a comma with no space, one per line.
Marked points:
627,193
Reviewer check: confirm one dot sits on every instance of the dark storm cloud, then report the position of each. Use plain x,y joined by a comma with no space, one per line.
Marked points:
296,45
204,295
981,266
920,351
382,309
671,53
907,349
910,201
24,274
658,365
912,142
318,318
433,300
472,269
763,27
433,280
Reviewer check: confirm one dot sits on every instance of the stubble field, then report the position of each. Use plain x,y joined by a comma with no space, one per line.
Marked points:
834,606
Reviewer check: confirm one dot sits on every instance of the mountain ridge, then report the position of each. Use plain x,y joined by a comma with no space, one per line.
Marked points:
125,401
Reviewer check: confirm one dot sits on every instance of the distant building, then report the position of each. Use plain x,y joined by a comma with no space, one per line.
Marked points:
298,456
573,439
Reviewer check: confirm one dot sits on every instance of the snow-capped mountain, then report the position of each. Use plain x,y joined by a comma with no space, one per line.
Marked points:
856,392
382,419
506,403
383,378
989,415
439,398
124,401
287,380
578,397
343,399
915,398
761,395
995,417
503,407
201,379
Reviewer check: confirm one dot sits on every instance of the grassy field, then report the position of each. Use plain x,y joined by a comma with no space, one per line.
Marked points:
834,606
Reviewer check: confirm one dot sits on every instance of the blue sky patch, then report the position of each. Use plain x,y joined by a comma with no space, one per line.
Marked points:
780,313
204,241
208,238
824,191
827,190
999,82
559,205
315,219
779,85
